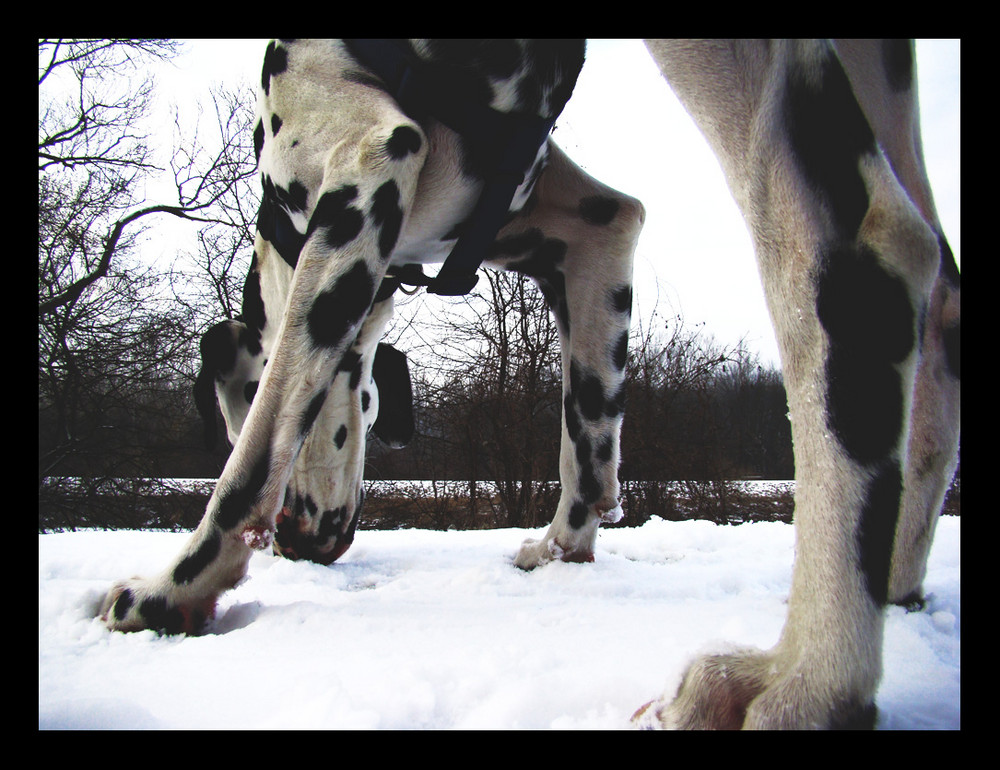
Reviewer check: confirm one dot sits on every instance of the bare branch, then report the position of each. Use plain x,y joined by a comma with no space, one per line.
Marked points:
74,290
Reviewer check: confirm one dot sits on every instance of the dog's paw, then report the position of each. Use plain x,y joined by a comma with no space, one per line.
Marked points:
135,605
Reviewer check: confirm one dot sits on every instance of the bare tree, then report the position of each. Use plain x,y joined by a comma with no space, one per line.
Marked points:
670,374
210,281
489,394
92,152
116,350
488,386
750,398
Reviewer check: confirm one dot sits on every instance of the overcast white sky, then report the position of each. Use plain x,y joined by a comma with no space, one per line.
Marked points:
625,127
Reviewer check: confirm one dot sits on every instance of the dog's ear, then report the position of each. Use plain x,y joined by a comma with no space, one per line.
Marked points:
395,396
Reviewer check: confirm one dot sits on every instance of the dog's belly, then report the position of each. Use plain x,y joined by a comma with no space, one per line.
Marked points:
444,200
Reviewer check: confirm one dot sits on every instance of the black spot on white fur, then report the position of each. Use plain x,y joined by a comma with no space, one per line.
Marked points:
275,62
829,134
235,503
312,412
878,527
339,309
339,222
867,315
387,216
598,210
192,566
404,141
897,59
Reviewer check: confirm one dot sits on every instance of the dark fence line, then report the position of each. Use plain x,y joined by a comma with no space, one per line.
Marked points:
68,503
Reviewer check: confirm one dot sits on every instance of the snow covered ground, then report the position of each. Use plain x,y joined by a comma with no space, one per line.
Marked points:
421,629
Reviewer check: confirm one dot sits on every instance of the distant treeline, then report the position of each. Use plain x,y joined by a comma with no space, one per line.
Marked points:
488,405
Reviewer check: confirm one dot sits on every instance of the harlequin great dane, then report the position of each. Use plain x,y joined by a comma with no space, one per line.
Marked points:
371,169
